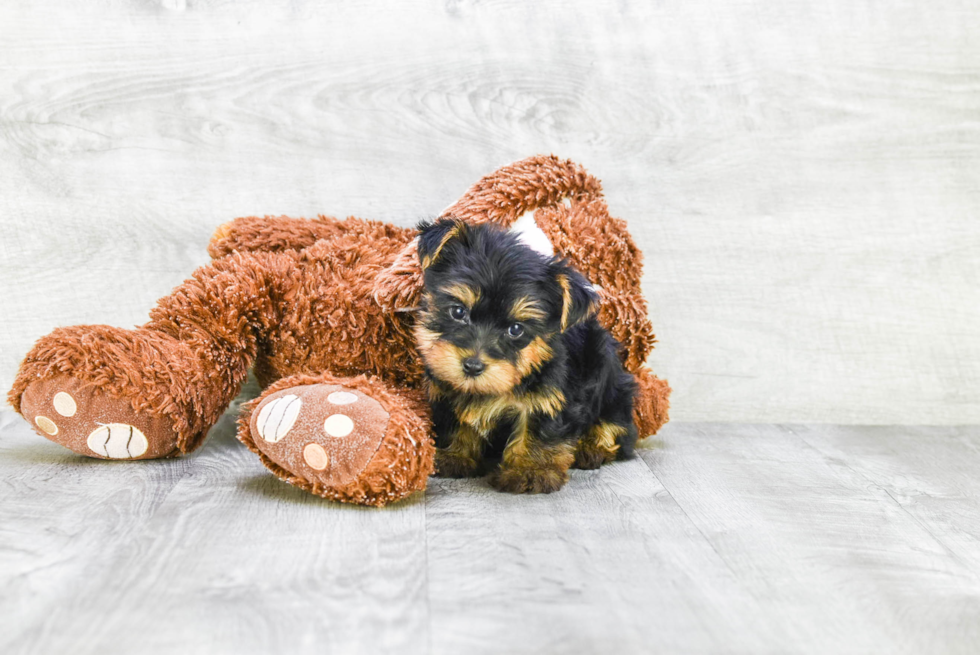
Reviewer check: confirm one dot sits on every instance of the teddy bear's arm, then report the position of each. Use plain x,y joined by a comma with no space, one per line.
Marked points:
272,233
504,195
352,439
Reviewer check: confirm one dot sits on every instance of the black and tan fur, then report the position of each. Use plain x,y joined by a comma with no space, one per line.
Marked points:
523,380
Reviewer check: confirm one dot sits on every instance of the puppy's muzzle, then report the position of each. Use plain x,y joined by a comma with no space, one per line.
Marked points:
473,366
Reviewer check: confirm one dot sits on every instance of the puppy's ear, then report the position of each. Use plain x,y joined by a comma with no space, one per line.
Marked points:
433,237
579,299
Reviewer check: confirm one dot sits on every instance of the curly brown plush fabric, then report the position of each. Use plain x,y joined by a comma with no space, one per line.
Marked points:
321,309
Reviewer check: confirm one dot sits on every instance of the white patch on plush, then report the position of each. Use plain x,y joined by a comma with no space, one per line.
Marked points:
64,404
338,425
532,236
342,398
278,417
316,457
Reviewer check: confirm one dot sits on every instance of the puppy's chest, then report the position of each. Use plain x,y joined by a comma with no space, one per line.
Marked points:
484,414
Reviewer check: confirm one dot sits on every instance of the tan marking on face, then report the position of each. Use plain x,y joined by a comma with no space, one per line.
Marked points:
467,295
527,309
499,377
533,356
446,362
424,337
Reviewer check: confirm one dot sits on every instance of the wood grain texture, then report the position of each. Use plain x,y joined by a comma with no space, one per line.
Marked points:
206,554
810,520
611,564
719,538
801,176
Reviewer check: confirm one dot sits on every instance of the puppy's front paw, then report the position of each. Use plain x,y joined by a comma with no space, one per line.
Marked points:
454,465
528,481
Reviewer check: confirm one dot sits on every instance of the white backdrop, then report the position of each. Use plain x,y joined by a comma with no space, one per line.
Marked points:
802,176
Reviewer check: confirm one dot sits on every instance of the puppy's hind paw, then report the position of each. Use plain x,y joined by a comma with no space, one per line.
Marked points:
589,456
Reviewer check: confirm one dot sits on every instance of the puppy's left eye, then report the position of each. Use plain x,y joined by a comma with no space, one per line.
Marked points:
457,312
515,331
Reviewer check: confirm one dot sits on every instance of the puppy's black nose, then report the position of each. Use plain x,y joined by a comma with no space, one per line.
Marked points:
472,366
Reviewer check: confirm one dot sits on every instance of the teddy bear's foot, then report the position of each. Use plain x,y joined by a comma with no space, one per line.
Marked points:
76,415
327,432
348,439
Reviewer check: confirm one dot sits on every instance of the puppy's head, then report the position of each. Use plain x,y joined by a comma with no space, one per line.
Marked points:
493,308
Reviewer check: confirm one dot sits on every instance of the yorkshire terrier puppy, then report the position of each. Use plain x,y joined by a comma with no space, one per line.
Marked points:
522,378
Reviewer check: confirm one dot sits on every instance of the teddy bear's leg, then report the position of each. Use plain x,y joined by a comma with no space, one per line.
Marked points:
154,391
106,392
355,440
652,402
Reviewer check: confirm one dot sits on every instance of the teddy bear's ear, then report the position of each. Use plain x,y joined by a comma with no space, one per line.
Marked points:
579,299
433,237
399,286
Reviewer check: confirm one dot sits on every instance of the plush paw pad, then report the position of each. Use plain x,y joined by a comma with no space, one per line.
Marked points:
278,417
117,441
325,433
76,415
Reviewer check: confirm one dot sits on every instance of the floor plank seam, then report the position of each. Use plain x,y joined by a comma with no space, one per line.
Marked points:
969,443
692,521
949,551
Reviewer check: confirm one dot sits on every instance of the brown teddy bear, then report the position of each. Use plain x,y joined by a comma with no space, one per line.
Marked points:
323,311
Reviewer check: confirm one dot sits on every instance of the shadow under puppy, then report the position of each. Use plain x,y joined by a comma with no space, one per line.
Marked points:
523,380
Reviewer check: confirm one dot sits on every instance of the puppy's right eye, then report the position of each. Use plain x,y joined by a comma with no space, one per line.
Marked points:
457,313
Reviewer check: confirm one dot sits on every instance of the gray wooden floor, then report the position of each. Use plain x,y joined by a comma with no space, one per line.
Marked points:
719,538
